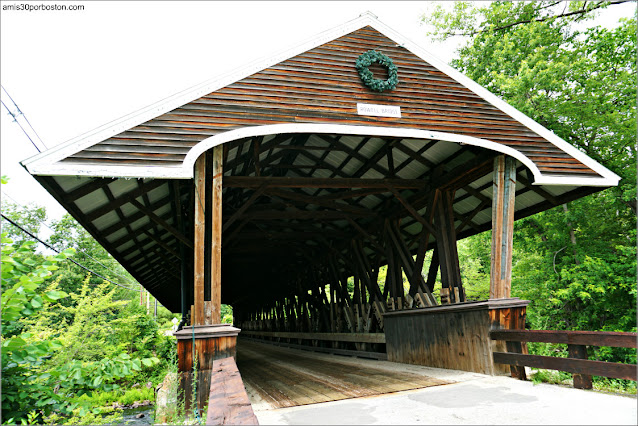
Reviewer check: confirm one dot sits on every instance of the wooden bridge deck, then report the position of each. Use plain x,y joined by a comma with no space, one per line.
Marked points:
277,377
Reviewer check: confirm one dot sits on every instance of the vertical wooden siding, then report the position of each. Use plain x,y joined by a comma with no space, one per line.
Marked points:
451,336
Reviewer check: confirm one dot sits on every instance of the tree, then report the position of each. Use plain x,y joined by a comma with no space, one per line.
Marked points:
577,260
68,233
30,218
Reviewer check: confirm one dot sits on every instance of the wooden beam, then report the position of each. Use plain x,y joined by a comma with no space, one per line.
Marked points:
466,219
413,211
352,153
353,193
135,217
433,270
155,218
244,207
424,238
414,155
446,244
256,153
86,189
123,199
504,192
366,235
409,266
365,269
197,317
337,337
130,235
120,215
537,189
309,148
318,201
163,244
216,252
288,182
372,161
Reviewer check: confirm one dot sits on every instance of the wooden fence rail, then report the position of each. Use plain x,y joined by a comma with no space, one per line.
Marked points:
576,363
359,339
333,337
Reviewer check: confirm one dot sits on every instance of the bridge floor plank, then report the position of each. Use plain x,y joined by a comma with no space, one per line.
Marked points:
280,377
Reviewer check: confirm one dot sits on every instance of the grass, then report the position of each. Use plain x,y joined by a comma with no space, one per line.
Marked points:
601,384
122,396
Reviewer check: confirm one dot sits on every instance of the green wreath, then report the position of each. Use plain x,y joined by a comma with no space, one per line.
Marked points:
365,60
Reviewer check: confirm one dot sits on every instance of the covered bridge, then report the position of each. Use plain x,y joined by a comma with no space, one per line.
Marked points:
268,188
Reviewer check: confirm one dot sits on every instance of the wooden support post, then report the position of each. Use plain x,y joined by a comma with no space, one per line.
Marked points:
206,339
216,252
581,381
404,257
446,246
199,237
518,372
503,193
433,270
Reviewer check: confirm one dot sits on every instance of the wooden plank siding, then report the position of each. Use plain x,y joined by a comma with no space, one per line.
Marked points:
452,336
323,86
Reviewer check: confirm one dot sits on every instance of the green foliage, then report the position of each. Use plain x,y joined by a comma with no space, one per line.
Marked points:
69,233
227,314
84,416
119,396
30,218
576,263
474,262
25,385
549,376
44,362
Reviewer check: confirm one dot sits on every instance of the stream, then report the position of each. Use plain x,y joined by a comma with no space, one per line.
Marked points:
129,415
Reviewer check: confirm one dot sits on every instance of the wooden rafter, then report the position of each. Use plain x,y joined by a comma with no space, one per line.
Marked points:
287,182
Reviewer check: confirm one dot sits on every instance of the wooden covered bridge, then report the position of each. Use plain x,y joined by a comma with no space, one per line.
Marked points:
273,188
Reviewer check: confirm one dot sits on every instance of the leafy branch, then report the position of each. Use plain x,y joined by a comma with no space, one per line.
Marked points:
577,14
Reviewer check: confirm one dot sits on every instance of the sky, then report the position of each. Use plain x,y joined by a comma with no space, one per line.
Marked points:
72,71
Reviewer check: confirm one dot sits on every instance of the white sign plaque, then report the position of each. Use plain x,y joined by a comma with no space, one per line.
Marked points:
379,110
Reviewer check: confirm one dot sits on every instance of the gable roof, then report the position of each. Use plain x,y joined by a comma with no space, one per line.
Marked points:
314,88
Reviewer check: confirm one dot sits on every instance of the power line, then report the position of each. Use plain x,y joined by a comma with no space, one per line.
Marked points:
15,118
80,251
69,259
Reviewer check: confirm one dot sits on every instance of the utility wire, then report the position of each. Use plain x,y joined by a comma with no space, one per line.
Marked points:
69,259
80,251
15,118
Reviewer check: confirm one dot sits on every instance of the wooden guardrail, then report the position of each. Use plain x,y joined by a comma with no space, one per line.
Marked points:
228,403
576,363
356,338
333,337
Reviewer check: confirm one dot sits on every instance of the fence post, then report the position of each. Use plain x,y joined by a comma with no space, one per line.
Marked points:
581,381
518,372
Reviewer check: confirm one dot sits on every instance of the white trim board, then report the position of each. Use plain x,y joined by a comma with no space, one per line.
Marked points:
186,170
45,163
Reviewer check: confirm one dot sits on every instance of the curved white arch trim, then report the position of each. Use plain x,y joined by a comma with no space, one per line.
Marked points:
343,129
186,169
